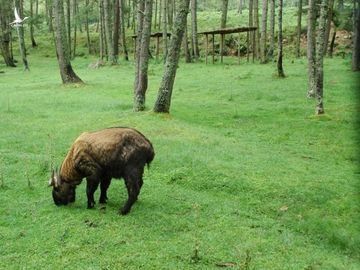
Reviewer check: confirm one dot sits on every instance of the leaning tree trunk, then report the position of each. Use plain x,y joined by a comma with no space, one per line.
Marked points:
356,47
263,32
163,101
62,46
224,11
142,84
311,49
280,68
298,36
109,41
320,48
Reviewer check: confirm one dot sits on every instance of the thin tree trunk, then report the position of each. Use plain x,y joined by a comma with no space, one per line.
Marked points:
298,36
109,41
20,33
62,46
163,101
139,30
263,32
68,19
224,11
164,28
88,42
240,7
116,27
332,44
194,29
33,42
251,23
186,47
328,24
311,48
123,34
270,53
74,28
356,47
320,47
280,68
257,31
5,33
142,85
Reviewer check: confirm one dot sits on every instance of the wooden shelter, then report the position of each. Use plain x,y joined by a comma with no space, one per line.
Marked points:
157,35
222,33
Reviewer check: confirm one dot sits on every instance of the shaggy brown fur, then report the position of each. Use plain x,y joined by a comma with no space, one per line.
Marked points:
100,156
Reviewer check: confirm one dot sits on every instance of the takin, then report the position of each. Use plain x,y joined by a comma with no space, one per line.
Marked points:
100,156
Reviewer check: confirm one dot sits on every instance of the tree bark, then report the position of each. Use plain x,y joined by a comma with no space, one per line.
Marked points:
163,101
139,30
298,36
164,28
270,53
74,28
122,26
62,46
328,24
320,47
88,42
68,19
5,33
143,63
116,27
311,49
263,32
252,34
224,11
109,41
33,42
280,68
356,47
194,29
257,31
20,33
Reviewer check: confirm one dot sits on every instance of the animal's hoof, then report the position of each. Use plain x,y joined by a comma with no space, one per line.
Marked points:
124,211
103,200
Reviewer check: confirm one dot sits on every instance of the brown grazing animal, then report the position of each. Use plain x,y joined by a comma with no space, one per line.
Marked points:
100,156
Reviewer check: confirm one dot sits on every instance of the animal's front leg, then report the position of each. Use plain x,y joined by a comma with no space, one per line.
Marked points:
91,186
104,185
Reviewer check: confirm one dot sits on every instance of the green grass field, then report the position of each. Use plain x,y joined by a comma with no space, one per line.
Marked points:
244,176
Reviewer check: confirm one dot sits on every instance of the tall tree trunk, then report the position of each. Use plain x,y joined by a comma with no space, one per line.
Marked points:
163,101
240,7
311,48
88,42
68,19
186,47
20,33
224,11
194,29
263,32
257,31
33,42
116,30
320,47
332,43
270,53
75,22
139,30
298,36
122,25
62,46
142,85
356,47
101,31
280,68
328,24
155,14
5,33
164,28
49,4
109,41
251,23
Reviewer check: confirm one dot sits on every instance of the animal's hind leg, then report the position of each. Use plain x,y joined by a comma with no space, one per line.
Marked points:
91,186
133,182
104,185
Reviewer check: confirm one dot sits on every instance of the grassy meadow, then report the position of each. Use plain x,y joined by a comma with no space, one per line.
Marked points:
245,176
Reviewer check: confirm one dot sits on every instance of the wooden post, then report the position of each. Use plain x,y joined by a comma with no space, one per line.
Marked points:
213,48
206,49
221,47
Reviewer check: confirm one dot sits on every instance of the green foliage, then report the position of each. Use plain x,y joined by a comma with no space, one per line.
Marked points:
244,176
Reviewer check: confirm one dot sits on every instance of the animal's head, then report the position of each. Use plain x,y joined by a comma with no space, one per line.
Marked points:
63,192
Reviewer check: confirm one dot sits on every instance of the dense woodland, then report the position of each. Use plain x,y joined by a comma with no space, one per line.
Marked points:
113,29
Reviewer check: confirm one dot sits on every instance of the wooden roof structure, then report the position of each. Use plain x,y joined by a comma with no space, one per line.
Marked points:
157,35
222,32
